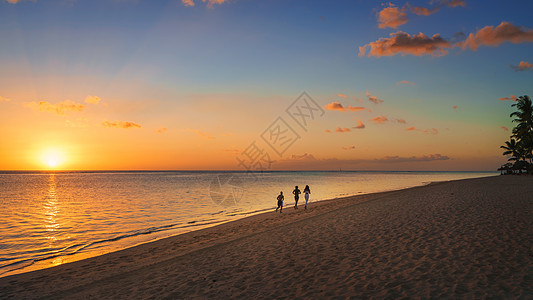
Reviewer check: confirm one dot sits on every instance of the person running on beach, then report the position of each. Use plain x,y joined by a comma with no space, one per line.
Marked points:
280,202
296,193
307,191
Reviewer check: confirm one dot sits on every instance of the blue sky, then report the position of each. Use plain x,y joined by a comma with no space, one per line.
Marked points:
152,60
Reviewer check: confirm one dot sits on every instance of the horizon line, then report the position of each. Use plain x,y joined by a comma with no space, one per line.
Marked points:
230,170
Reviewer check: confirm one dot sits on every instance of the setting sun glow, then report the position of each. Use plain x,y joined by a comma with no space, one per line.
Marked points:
52,158
52,162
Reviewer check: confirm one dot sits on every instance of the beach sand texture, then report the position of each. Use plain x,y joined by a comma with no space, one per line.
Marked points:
470,238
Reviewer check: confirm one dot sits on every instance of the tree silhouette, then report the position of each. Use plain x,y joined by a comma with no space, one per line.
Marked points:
523,131
512,148
520,147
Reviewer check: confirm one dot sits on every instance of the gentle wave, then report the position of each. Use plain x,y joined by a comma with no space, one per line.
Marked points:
39,255
49,215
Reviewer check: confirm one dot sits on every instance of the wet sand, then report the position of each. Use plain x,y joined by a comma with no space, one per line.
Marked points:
468,238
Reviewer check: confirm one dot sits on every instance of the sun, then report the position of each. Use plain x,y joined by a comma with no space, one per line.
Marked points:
52,162
52,158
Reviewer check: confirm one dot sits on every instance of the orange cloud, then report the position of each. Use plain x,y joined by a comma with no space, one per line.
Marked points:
422,11
121,124
418,45
490,36
60,108
427,131
348,148
360,125
92,99
298,161
429,157
2,99
354,108
204,134
401,121
161,129
334,106
405,81
209,2
505,128
373,99
455,3
523,66
342,96
431,131
13,1
328,131
511,98
392,17
342,130
380,119
403,43
337,106
304,156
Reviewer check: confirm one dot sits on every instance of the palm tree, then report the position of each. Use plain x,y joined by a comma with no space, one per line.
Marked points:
514,149
524,115
523,131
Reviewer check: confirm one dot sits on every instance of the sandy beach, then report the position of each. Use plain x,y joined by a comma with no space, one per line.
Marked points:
469,238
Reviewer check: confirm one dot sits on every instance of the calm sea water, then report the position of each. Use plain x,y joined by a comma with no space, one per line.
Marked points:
53,218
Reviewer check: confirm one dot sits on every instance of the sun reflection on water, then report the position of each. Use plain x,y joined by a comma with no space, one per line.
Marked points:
51,211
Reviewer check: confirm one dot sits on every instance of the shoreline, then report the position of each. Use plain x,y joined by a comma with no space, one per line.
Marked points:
60,259
148,257
68,259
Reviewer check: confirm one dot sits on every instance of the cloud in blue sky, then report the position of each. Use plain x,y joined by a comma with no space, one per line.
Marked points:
420,44
495,36
210,3
523,66
392,17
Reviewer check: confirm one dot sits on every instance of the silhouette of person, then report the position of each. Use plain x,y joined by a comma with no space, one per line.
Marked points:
296,193
280,202
307,191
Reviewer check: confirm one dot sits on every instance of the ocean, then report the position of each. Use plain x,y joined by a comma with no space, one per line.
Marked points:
51,218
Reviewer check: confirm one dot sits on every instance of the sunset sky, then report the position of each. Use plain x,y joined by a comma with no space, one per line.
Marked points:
191,85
